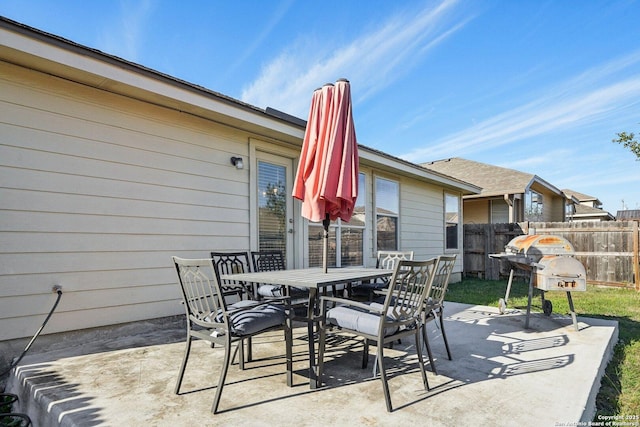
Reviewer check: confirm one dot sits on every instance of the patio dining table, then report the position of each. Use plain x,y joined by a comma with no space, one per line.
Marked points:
315,280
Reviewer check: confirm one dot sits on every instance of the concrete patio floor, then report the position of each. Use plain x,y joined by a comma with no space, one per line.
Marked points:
501,375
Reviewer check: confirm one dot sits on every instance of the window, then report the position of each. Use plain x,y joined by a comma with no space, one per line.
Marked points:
499,211
346,239
533,208
316,233
272,207
387,198
352,233
569,210
451,220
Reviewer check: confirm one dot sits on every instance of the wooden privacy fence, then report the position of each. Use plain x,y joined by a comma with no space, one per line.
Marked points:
608,249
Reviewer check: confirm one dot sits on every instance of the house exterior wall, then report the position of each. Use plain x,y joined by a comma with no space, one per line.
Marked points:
421,219
98,191
422,222
553,210
476,211
558,209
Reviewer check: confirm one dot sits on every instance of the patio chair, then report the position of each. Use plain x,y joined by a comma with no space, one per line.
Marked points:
385,260
273,261
230,263
233,290
434,305
268,261
398,317
210,318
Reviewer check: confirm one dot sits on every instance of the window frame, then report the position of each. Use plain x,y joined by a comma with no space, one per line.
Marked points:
531,213
376,215
496,207
446,222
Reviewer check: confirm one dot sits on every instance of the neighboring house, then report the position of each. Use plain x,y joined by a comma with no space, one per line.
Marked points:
108,168
507,195
628,215
586,208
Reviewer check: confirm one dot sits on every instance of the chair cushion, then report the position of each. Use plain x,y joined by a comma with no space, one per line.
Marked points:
358,320
253,320
270,290
278,291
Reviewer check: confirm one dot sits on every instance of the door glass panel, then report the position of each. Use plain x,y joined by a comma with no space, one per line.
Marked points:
316,233
351,240
272,207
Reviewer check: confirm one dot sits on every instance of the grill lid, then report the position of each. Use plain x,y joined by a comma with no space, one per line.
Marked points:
526,250
535,246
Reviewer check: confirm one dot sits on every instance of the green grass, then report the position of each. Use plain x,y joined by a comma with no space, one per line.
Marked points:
620,390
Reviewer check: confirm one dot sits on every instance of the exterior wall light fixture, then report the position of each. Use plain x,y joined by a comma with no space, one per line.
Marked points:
237,162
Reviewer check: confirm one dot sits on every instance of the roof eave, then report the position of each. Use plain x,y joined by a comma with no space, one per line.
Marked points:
404,167
47,53
537,180
43,52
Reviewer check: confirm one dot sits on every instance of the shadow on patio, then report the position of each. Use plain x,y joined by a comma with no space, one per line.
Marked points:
501,374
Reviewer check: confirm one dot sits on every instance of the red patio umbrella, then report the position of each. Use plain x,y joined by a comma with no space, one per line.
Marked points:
327,176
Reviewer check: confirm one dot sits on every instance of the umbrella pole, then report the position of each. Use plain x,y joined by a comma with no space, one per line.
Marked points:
325,243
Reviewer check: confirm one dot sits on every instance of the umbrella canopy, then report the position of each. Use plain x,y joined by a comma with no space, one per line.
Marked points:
327,176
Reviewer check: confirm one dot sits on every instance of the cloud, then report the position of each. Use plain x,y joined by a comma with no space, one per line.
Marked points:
372,61
272,23
592,96
123,38
533,162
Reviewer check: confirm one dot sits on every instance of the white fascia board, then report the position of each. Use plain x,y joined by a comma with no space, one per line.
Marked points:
536,179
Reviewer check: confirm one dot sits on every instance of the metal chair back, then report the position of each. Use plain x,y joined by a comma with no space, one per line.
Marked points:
434,304
409,286
267,260
441,280
387,259
400,316
232,263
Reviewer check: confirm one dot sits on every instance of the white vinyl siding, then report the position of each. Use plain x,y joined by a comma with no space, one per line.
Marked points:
421,213
98,191
420,220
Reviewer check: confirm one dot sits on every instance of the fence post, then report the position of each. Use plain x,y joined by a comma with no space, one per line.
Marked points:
636,261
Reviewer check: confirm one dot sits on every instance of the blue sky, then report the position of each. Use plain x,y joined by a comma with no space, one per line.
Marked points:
538,86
